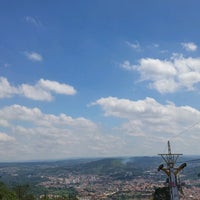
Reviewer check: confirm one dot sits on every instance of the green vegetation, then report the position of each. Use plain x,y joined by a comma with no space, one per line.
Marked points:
22,192
6,193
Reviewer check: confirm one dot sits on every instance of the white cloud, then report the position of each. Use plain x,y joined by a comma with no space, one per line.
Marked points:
125,108
190,46
33,56
35,93
156,69
149,122
44,136
57,87
33,20
127,65
4,123
41,91
136,46
5,138
6,90
165,85
144,128
168,76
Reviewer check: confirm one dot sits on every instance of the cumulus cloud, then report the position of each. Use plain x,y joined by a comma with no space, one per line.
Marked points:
5,138
56,87
37,135
4,123
150,122
41,91
33,56
190,46
168,76
145,126
35,92
6,90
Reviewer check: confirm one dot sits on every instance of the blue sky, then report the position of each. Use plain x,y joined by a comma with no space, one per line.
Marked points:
98,78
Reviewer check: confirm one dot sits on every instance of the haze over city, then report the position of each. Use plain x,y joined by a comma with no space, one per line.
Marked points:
98,78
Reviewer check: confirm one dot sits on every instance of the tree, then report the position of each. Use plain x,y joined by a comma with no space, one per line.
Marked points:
6,193
22,192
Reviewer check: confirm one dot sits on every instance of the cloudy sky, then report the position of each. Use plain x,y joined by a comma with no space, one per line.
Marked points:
98,78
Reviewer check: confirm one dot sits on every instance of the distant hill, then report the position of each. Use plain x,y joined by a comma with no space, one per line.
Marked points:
119,168
115,168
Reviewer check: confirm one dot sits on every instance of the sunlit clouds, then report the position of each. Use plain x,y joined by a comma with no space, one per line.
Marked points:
170,75
146,121
36,133
190,46
43,90
150,121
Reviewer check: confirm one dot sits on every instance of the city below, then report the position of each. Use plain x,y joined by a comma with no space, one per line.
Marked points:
106,178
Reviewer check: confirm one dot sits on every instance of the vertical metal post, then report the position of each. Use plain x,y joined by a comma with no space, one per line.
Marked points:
170,159
172,178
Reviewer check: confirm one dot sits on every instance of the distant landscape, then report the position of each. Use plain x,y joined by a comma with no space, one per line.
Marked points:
95,178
